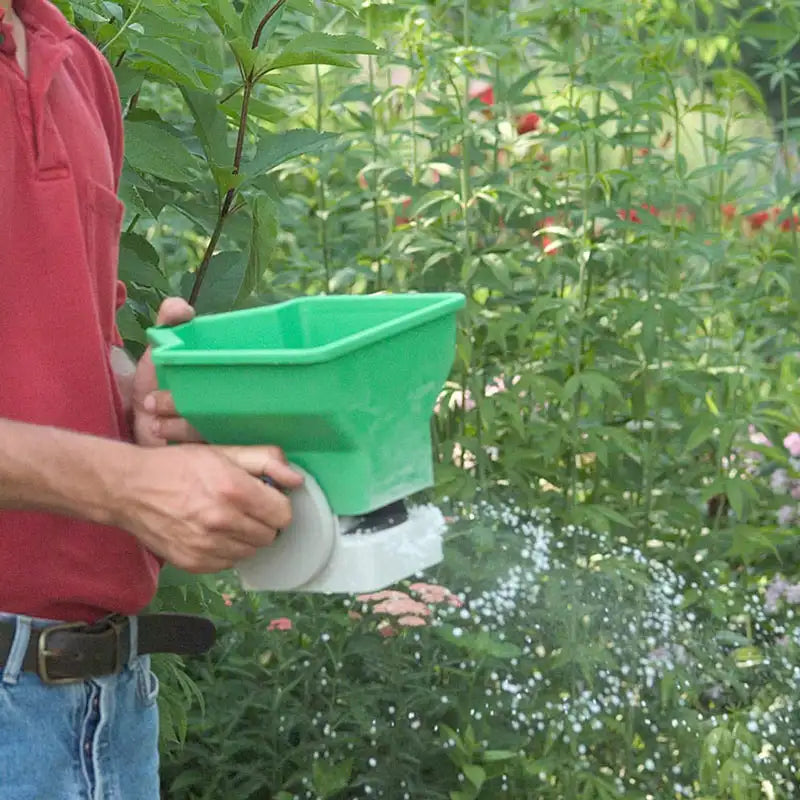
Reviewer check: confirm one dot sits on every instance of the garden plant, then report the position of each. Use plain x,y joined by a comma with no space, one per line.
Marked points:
613,184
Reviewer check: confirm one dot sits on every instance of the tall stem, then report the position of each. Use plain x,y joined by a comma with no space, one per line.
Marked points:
376,221
323,202
227,202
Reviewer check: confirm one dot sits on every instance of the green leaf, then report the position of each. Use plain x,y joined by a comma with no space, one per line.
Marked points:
129,327
171,576
494,756
262,244
302,58
345,43
595,383
152,149
431,199
225,17
276,148
702,432
321,48
139,262
222,283
474,774
328,779
211,127
167,61
480,643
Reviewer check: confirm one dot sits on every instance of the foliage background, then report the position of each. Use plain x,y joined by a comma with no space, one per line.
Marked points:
626,365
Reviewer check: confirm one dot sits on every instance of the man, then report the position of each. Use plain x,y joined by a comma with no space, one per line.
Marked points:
90,503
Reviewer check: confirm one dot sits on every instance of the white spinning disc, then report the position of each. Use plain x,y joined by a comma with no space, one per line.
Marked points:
300,551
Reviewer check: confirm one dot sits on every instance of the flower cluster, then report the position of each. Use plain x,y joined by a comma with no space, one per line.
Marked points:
399,609
786,481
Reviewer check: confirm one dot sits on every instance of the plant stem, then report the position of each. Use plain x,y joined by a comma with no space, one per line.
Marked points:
322,190
122,28
267,17
229,195
376,222
250,81
785,148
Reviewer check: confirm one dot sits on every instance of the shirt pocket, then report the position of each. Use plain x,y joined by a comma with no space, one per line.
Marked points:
104,213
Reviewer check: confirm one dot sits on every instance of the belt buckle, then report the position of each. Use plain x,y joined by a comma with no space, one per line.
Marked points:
43,653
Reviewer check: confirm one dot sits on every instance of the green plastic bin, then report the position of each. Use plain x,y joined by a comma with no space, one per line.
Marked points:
344,384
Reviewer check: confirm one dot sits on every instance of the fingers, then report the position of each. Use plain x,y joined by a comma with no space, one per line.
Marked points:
264,461
167,423
175,429
264,503
161,404
174,311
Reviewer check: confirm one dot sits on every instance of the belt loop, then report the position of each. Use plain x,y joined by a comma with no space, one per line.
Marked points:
22,635
133,628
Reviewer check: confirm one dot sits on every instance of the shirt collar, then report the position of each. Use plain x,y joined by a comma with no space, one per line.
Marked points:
42,16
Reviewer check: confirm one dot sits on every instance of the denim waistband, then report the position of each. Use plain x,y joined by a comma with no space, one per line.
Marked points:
23,626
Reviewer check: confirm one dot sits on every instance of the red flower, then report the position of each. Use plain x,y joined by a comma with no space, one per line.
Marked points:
652,209
280,624
758,220
643,151
631,216
486,96
403,220
789,223
528,123
728,211
546,240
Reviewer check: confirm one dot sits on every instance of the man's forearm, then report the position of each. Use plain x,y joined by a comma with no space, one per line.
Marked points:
49,469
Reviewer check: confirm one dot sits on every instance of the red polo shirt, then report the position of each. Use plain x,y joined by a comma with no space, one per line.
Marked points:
60,161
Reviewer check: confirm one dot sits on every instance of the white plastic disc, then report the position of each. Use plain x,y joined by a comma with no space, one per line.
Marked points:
301,551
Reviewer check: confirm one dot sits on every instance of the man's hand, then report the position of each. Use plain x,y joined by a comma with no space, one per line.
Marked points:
155,418
203,508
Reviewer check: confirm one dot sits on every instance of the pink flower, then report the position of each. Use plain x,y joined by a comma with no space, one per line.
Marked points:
410,621
786,515
792,444
462,398
227,599
463,458
756,437
386,594
280,624
496,386
433,593
386,629
401,607
779,480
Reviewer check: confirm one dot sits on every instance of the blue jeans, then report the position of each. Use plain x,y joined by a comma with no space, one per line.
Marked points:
96,740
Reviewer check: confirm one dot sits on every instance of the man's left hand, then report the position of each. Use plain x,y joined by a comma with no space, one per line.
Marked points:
155,419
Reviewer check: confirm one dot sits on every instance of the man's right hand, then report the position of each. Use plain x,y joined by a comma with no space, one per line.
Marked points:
203,508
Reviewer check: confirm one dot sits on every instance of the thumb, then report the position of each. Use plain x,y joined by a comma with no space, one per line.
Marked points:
174,311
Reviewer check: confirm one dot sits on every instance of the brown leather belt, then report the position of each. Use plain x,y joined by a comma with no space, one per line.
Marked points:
75,652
